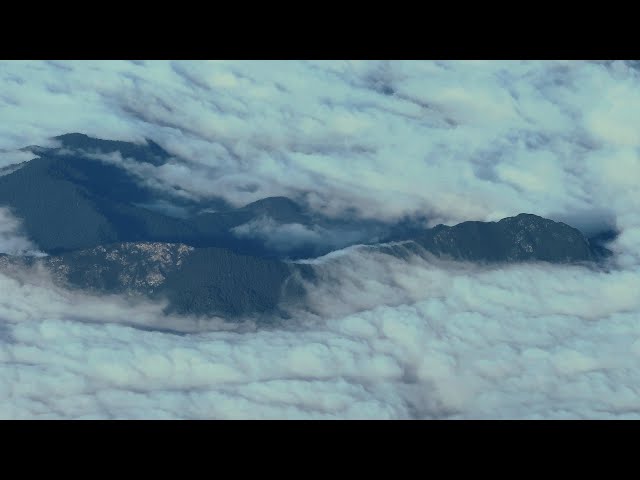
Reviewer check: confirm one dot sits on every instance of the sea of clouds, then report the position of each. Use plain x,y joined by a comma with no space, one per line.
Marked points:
377,336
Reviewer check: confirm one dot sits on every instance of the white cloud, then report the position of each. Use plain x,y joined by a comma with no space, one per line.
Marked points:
458,140
12,239
13,158
285,237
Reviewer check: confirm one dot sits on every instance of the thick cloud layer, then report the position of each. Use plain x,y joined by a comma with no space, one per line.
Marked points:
454,140
377,336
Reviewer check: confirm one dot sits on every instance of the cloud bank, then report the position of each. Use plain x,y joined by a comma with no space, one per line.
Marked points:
378,337
12,240
455,140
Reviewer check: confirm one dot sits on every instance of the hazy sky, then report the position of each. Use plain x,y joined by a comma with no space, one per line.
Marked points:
380,337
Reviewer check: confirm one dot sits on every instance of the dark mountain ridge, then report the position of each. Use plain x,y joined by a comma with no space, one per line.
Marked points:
218,281
198,281
150,153
69,200
520,238
88,214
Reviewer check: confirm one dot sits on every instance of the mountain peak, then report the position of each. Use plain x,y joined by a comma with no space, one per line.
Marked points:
272,201
150,153
282,208
525,216
525,237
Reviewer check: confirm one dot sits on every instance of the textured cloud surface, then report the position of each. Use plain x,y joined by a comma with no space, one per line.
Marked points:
426,339
377,337
456,140
287,236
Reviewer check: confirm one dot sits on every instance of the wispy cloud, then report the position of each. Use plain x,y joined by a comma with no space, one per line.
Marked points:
285,237
12,239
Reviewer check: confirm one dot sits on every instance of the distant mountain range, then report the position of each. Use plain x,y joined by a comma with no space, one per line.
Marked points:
107,230
68,199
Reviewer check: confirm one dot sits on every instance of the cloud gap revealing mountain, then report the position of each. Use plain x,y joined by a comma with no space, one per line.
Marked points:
93,207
